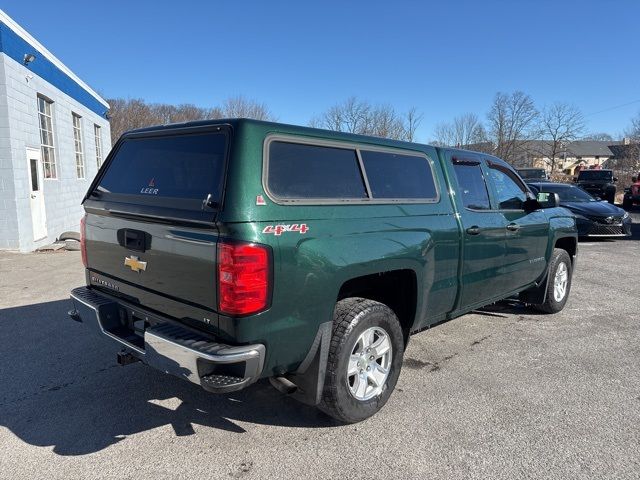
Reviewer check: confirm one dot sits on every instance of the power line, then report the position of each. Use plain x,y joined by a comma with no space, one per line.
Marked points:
612,108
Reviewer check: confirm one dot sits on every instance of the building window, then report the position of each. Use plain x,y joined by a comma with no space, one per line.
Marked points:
97,133
46,138
77,139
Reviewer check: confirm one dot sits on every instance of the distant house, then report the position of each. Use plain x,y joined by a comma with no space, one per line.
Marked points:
626,157
54,134
571,157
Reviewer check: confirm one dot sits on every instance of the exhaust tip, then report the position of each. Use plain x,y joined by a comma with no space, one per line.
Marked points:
75,315
283,385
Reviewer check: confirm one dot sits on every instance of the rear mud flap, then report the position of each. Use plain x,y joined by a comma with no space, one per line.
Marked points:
310,375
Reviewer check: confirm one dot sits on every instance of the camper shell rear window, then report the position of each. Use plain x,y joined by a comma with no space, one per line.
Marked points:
180,170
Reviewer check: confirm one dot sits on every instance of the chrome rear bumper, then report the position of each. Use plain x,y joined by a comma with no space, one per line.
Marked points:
170,347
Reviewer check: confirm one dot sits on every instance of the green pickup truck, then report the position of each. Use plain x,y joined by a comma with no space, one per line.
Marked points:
228,251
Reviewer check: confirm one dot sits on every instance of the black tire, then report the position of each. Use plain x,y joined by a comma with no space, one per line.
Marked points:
69,236
551,305
626,203
352,317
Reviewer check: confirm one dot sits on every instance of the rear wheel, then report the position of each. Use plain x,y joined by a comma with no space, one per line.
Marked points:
365,358
558,283
627,204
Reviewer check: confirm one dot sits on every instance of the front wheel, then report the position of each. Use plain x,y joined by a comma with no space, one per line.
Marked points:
558,283
364,362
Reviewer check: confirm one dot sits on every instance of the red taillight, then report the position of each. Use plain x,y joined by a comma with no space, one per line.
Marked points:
243,278
83,238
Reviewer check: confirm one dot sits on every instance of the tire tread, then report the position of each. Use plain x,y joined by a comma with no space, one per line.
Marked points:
550,305
345,312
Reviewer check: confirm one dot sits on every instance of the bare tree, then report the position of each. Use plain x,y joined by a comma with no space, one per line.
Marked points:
629,152
352,116
129,114
187,113
598,137
179,113
412,121
560,124
361,117
464,131
633,131
241,107
386,123
445,135
512,124
626,160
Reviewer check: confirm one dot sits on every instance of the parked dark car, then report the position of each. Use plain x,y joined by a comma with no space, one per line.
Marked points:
533,174
594,218
599,183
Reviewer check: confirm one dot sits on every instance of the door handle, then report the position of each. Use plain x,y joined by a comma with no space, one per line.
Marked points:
513,227
33,196
475,230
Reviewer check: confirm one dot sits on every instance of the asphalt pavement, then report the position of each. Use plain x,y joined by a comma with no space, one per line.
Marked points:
505,393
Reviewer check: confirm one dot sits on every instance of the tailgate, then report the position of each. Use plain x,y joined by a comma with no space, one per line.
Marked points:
176,262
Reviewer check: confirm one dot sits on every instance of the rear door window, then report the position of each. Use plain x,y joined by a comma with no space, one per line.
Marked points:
472,187
301,171
510,191
398,176
182,170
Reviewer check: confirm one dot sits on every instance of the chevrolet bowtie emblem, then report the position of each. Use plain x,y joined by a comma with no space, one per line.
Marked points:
135,264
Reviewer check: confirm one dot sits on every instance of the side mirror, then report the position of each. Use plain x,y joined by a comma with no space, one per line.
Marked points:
634,179
548,200
615,179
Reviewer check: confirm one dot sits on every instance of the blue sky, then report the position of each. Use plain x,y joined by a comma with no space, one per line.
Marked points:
445,58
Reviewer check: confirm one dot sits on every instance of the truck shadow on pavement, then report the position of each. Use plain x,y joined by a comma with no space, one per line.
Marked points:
61,387
507,308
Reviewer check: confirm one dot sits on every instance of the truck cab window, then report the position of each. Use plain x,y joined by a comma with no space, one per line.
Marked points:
473,189
511,194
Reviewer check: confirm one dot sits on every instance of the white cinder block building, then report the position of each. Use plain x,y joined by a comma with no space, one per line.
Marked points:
54,134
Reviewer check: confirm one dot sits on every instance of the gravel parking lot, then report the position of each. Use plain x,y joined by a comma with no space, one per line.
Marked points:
502,393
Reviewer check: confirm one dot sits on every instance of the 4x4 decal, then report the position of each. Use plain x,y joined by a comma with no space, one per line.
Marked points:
278,230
